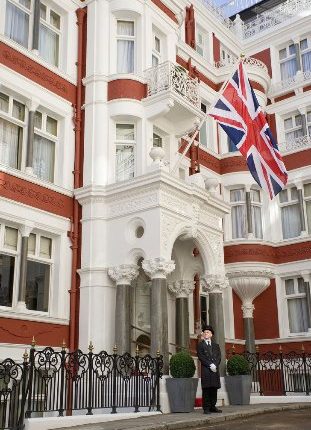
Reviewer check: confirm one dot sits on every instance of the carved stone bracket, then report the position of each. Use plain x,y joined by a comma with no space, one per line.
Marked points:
214,283
181,288
158,267
123,274
248,309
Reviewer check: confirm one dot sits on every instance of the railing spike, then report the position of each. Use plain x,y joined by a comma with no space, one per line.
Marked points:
91,346
25,355
33,342
64,345
115,349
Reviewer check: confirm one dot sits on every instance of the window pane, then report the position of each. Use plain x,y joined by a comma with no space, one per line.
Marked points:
125,56
291,221
25,3
45,247
4,102
304,44
238,220
55,20
298,120
297,315
10,141
306,61
301,286
37,286
157,140
255,196
18,110
288,69
125,132
157,44
125,28
124,162
282,54
32,244
43,158
292,49
10,239
294,193
51,125
257,223
237,195
48,45
203,306
43,11
307,190
308,210
16,24
38,120
283,196
289,287
7,264
288,123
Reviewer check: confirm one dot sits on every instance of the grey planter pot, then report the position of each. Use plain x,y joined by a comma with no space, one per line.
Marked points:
239,389
181,393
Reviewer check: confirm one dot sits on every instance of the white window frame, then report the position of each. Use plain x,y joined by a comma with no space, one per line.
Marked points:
11,253
288,57
306,50
29,12
48,261
8,116
295,295
47,24
294,128
203,46
51,137
132,143
126,37
235,204
307,201
289,202
227,56
155,53
257,204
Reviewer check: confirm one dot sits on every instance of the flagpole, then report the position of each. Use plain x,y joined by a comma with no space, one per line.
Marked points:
198,127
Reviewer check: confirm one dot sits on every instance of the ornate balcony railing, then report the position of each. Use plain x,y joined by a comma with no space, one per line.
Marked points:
296,144
280,373
301,78
169,76
62,382
276,16
249,61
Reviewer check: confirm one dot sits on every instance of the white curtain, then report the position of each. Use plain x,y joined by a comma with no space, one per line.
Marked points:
291,221
48,45
238,220
292,135
9,143
203,134
308,211
288,69
125,162
297,315
306,61
257,224
16,24
43,158
125,48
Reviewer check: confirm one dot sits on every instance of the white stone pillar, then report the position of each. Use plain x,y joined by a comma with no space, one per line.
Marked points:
123,275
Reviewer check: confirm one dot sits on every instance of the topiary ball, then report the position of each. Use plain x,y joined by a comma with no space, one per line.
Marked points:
238,365
182,365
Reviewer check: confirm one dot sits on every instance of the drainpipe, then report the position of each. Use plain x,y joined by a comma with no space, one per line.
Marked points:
74,233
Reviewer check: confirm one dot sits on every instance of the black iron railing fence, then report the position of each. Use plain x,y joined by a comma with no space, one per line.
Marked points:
279,373
61,381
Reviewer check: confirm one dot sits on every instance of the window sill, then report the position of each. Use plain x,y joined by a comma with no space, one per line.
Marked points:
35,180
28,53
28,315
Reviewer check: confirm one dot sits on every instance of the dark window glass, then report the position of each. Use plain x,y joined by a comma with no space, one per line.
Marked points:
203,302
7,264
37,286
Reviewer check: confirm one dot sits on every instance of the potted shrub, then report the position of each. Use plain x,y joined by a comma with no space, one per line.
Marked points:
182,387
238,380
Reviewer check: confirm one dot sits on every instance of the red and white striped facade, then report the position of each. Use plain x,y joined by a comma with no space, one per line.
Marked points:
125,82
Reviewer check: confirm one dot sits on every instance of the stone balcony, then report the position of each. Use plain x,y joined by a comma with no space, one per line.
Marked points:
303,142
173,93
294,83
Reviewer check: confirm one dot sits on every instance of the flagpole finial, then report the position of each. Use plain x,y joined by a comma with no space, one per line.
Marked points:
242,56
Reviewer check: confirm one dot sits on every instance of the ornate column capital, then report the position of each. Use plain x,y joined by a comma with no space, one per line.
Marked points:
249,284
248,309
181,288
26,228
214,283
123,274
158,267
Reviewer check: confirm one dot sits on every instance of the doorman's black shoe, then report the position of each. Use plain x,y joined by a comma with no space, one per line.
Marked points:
206,412
215,410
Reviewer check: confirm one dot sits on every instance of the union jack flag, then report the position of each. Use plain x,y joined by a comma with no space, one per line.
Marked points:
239,114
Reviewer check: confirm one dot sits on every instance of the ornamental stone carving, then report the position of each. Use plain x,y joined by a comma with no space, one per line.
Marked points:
123,274
249,284
248,310
158,267
181,288
214,283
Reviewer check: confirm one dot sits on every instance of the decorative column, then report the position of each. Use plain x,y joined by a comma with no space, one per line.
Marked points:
158,269
182,290
215,284
248,285
297,52
250,230
123,276
25,231
32,106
